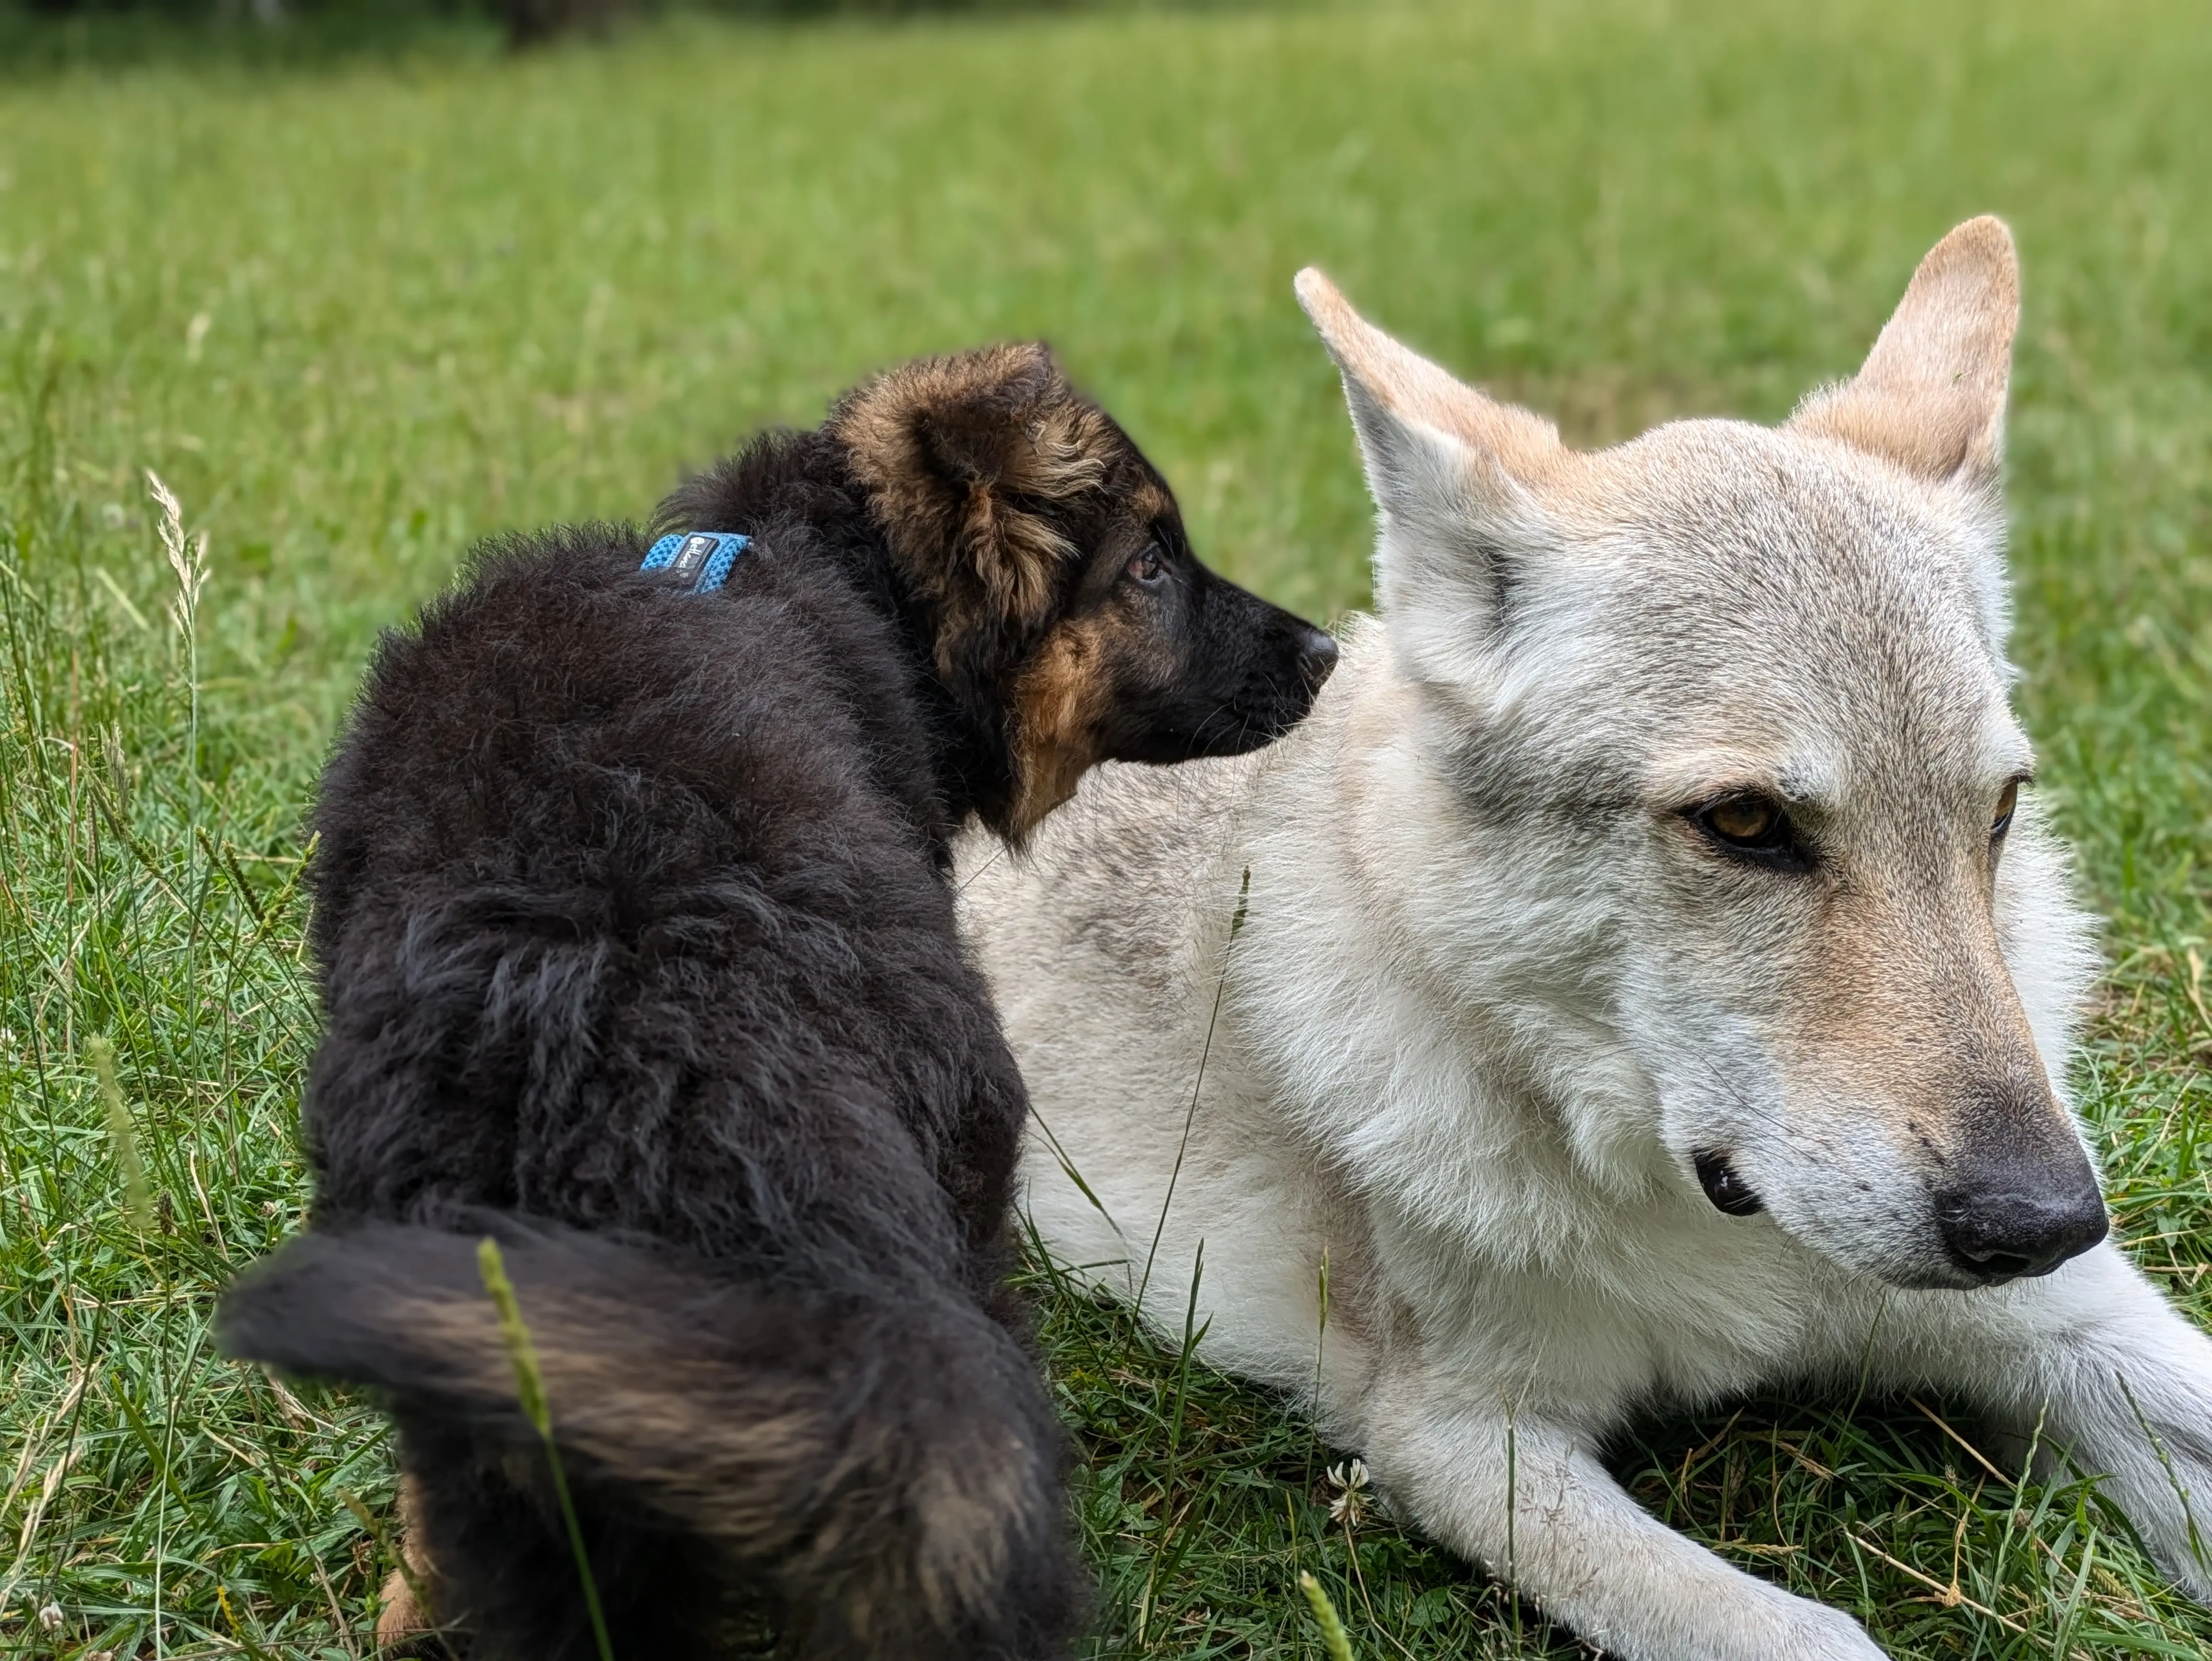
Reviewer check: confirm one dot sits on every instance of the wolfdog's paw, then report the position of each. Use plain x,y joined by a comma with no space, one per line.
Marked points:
1814,1632
2188,1562
1742,1618
2182,1542
1734,1617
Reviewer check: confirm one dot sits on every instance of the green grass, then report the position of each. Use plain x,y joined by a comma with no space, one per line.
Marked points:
358,312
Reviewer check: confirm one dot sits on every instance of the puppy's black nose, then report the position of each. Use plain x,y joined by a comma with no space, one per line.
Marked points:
2022,1227
1316,657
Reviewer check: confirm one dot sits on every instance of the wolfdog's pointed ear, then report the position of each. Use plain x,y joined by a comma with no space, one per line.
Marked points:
1932,394
1449,468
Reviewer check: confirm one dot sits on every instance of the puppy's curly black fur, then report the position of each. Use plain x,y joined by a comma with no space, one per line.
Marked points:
638,955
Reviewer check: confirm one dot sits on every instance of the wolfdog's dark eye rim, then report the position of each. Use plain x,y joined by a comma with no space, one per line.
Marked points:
1782,848
1792,858
1794,854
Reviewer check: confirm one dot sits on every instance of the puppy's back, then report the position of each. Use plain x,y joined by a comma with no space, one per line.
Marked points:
600,861
560,706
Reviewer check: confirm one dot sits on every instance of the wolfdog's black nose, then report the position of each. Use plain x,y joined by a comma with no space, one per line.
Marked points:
2022,1227
1316,657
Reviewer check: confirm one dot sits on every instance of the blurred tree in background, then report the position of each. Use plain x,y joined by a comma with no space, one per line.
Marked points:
36,35
526,22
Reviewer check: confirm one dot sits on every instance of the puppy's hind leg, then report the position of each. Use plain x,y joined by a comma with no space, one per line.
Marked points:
508,1586
880,1465
1529,1499
407,1623
406,1629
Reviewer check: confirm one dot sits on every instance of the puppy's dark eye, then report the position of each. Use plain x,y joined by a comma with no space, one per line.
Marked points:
2002,820
1149,567
1753,828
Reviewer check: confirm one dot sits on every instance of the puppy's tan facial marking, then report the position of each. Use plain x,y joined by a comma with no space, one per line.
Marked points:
1057,703
1149,503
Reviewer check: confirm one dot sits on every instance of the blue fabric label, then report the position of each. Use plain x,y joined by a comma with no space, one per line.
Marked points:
710,554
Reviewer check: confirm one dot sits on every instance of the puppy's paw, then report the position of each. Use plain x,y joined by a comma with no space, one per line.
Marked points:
405,1631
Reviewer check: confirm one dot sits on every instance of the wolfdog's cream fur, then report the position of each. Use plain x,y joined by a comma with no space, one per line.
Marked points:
1645,993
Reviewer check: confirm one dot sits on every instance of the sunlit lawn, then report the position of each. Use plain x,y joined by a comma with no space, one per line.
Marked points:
361,310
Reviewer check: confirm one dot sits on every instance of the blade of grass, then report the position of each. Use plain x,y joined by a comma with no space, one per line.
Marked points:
530,1385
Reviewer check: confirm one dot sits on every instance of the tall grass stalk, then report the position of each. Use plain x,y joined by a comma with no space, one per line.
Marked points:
136,947
530,1385
138,1197
1334,1638
1197,1086
188,562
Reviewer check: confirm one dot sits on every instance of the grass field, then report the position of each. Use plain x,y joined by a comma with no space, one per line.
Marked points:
357,311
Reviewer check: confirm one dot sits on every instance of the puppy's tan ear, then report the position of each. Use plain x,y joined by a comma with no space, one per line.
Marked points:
1453,475
951,449
1932,394
1005,417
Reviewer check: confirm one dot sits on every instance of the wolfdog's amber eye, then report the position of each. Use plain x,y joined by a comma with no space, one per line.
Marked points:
2006,803
1147,566
1742,819
1755,828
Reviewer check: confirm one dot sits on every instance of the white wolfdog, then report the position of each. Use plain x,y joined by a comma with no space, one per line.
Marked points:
1649,988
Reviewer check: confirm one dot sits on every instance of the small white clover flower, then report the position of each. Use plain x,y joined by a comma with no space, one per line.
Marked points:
1350,1482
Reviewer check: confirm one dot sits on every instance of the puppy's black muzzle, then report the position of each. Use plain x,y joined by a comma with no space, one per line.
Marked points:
1256,671
1316,658
1234,674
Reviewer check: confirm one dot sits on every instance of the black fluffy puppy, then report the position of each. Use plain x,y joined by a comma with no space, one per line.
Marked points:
637,952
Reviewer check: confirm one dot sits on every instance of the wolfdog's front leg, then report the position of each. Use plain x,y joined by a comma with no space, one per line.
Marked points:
1529,1498
2120,1383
